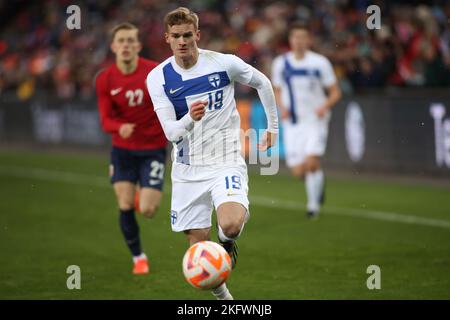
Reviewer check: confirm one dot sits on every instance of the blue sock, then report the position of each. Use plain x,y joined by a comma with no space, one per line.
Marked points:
130,230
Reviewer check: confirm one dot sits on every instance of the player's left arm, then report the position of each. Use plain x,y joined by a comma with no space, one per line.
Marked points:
109,123
334,93
248,75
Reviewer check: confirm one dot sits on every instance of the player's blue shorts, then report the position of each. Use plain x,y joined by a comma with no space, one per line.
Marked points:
143,166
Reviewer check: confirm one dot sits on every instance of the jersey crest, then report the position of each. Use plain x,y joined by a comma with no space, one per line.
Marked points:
214,80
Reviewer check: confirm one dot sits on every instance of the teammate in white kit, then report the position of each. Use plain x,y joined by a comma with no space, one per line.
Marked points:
193,96
300,78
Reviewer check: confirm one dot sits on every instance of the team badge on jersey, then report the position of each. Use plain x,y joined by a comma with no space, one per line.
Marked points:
214,79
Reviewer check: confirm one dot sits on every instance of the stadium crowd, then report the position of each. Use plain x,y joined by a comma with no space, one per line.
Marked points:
412,48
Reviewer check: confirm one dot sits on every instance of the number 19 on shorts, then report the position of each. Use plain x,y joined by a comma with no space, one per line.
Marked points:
233,182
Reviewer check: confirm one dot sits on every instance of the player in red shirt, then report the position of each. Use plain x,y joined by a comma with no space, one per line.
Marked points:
138,142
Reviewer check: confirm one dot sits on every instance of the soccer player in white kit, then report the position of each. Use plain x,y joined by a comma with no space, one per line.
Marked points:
193,96
300,78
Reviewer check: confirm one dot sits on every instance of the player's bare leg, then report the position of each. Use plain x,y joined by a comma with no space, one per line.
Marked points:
299,170
314,185
125,192
197,235
137,199
149,201
231,218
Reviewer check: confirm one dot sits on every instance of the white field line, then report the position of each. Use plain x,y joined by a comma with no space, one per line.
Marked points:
359,213
102,182
55,175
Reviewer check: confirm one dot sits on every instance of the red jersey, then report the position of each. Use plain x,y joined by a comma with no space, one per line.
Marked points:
123,98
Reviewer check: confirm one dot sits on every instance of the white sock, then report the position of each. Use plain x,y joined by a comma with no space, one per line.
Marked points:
316,186
311,193
141,256
318,176
222,292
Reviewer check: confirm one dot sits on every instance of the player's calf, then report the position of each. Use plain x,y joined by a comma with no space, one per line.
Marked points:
197,235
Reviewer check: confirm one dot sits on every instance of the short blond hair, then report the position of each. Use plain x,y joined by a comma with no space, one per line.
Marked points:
179,16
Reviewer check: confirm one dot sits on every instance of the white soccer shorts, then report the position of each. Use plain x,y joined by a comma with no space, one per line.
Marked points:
304,139
197,189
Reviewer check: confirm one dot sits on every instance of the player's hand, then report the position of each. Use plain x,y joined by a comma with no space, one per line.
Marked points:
267,141
126,130
321,112
197,110
285,114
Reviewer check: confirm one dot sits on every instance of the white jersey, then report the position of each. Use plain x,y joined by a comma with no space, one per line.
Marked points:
302,83
215,139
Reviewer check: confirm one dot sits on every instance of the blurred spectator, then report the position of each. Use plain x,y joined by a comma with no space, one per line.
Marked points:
38,52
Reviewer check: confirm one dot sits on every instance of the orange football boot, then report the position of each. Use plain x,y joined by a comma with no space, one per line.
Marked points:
141,266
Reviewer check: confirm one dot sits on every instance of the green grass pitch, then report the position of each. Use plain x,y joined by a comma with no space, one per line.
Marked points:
58,210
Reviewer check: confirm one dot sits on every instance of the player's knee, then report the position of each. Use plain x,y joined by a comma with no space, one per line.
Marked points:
231,229
149,210
312,165
298,172
125,205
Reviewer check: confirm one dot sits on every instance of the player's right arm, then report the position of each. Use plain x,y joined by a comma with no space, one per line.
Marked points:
109,123
174,129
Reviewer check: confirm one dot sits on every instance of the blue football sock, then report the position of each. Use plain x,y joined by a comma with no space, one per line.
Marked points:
130,230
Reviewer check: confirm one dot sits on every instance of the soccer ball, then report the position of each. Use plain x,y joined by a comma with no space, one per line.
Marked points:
206,265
